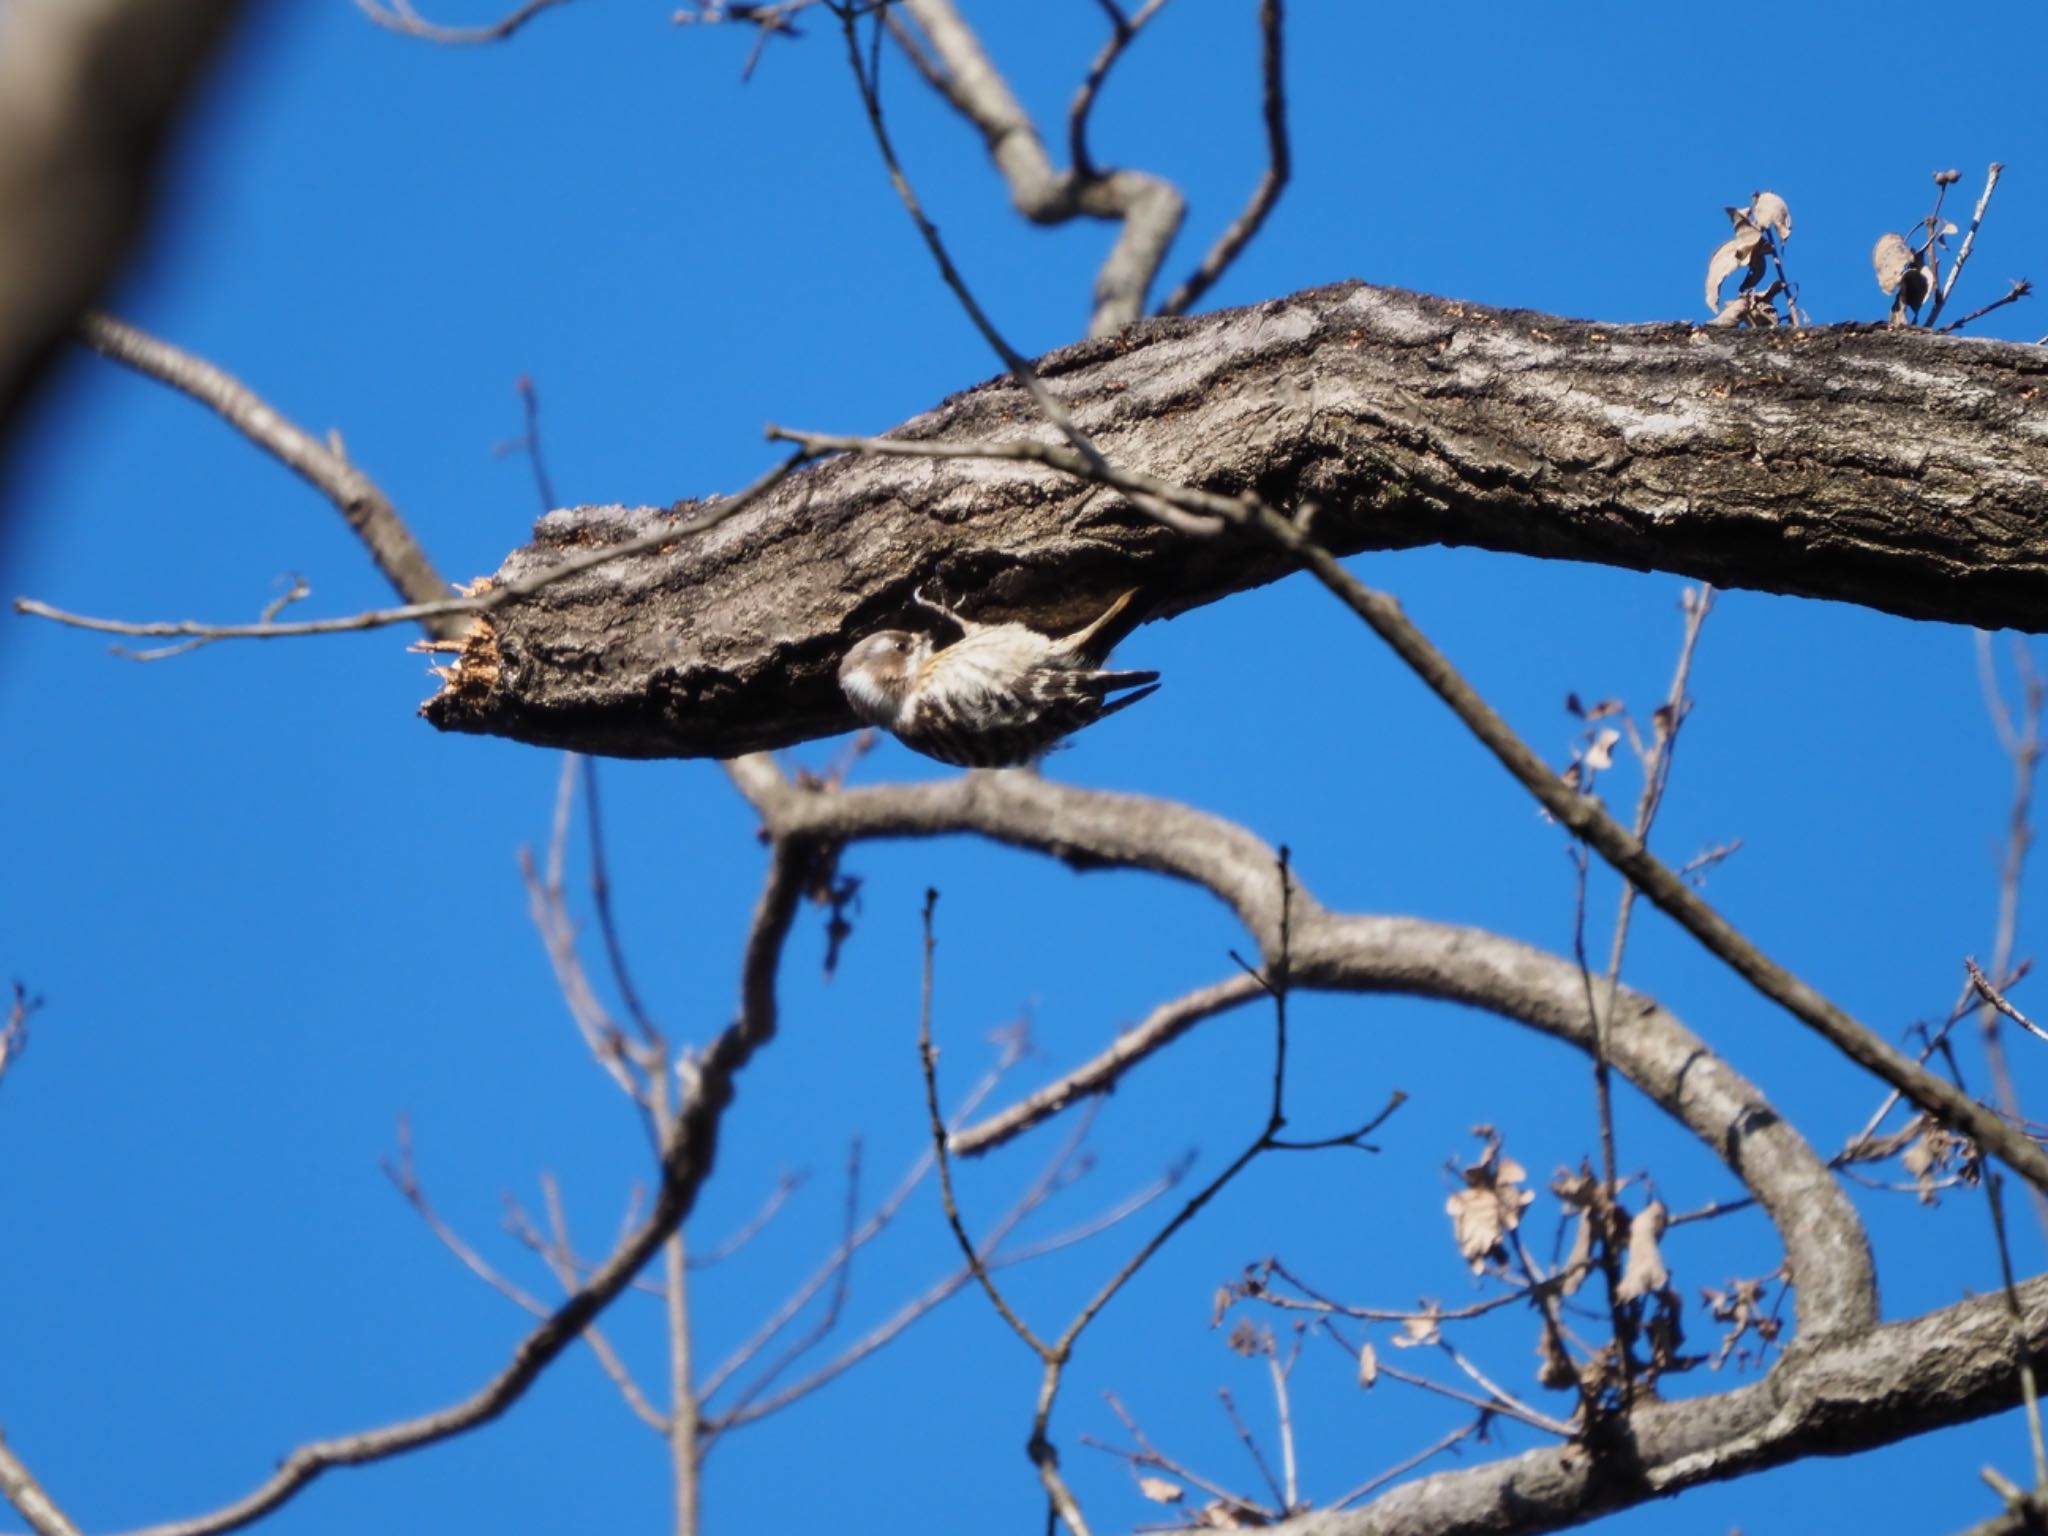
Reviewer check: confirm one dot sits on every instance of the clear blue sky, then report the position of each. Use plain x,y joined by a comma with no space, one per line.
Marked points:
270,909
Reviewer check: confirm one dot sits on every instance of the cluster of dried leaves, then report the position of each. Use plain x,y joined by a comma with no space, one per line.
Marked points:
1756,247
1909,270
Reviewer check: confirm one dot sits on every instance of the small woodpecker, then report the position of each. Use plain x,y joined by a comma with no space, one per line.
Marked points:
1001,695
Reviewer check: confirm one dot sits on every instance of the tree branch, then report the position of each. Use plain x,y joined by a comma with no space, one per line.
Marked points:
1149,207
90,91
1329,951
688,1154
369,512
1786,462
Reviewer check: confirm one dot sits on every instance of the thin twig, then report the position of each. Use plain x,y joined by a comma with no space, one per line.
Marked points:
703,519
1969,244
687,1159
928,1056
1122,34
1998,1000
1279,168
399,16
368,511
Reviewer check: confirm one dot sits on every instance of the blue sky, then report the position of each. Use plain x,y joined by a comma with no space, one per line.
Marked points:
270,910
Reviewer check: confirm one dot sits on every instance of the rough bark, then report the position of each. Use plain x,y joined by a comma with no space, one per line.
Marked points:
1895,470
1851,1394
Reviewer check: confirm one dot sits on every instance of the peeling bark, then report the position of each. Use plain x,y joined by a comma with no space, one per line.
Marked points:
1892,469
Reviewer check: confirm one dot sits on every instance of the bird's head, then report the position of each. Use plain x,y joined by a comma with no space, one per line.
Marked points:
878,674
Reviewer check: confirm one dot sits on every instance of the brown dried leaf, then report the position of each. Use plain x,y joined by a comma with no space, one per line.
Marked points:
1890,259
1491,1204
1368,1365
1160,1491
1645,1271
1419,1330
1247,1340
1768,210
1731,255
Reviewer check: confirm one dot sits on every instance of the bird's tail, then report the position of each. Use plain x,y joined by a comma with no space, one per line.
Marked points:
1099,638
1125,680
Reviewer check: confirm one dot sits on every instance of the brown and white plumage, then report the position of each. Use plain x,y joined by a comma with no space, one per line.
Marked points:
1001,695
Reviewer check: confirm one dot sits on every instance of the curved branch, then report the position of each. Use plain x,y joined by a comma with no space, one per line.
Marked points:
686,1161
399,16
1279,168
1896,470
1149,207
1823,1238
369,511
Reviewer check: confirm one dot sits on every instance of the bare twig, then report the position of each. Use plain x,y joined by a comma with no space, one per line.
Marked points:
367,510
1969,244
1998,1000
687,1159
1159,1028
928,1056
14,1028
399,16
1279,167
1122,34
429,613
528,443
1149,208
2017,288
28,1498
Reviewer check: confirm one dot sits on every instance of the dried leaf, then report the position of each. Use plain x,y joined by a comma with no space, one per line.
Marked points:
1247,1340
1890,260
1769,210
1160,1491
1730,256
1490,1206
1600,753
1368,1365
1645,1271
1419,1330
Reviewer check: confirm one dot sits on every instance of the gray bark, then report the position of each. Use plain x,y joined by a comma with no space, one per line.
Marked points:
1896,470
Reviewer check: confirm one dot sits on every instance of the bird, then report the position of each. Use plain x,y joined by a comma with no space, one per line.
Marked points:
1000,696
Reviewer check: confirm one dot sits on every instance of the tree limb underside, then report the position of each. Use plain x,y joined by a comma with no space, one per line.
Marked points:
1891,469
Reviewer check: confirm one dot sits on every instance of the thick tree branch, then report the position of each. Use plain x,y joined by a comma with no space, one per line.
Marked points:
1150,208
1895,470
1855,1393
1823,1238
89,93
